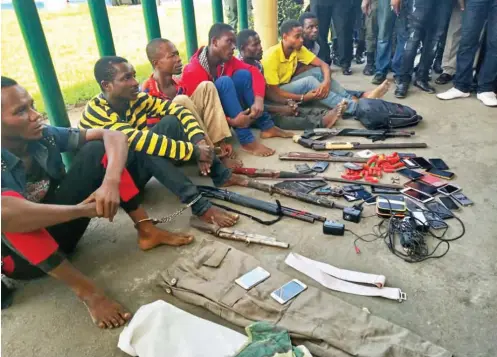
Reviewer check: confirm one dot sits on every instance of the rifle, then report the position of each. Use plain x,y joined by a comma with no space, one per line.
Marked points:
260,205
316,200
237,235
319,156
274,174
320,145
374,135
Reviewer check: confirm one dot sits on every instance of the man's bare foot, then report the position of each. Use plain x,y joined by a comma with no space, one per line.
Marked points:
257,149
105,313
379,91
149,236
236,180
219,217
335,114
276,132
231,163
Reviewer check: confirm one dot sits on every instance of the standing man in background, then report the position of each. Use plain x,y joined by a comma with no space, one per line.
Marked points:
369,9
231,12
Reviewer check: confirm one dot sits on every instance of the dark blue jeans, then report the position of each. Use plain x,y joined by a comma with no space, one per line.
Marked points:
473,19
388,22
236,94
426,20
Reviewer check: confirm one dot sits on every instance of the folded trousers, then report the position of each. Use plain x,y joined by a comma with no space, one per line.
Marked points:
326,325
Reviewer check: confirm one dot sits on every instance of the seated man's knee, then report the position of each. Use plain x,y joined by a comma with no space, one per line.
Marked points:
181,99
242,74
166,124
312,83
224,83
207,86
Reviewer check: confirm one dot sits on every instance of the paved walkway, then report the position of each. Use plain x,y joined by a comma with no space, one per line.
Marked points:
452,301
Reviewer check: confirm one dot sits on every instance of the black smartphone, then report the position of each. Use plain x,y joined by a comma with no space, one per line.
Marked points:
353,188
406,154
439,164
413,175
387,190
409,163
421,161
447,175
449,203
439,209
462,199
434,220
449,189
423,187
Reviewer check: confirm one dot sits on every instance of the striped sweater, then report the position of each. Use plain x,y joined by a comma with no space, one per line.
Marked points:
99,114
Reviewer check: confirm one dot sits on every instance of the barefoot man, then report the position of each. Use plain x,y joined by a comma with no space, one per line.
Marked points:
45,211
241,88
287,114
176,137
204,102
280,64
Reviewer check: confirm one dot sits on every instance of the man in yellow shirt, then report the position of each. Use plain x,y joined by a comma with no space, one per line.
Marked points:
306,85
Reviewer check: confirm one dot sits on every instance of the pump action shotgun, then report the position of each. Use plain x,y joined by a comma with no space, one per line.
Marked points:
328,145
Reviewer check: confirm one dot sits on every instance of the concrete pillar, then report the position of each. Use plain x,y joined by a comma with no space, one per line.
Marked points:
266,21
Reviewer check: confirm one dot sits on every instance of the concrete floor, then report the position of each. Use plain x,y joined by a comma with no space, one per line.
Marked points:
451,301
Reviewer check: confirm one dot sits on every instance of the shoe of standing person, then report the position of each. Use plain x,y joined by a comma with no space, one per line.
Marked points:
346,71
437,67
370,68
401,90
488,98
444,78
452,93
424,86
378,78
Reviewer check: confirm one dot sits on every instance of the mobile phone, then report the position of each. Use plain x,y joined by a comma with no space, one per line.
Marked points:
434,220
252,278
371,201
414,206
432,180
387,190
439,209
409,163
440,173
449,203
421,161
449,189
417,195
462,199
363,195
351,197
406,154
288,291
411,174
439,164
391,203
423,187
353,188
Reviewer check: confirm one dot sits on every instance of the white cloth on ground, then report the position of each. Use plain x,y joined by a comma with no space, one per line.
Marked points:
160,329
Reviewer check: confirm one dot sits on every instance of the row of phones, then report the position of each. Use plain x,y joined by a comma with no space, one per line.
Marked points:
282,295
414,175
421,162
450,193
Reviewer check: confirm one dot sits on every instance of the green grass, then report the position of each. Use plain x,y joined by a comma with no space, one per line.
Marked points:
73,48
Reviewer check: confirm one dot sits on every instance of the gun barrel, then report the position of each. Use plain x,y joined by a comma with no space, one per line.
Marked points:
250,238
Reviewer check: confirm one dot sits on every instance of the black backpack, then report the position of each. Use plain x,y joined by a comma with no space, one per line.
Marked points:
379,114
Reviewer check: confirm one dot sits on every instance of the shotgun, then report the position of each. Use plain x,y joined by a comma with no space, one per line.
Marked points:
260,205
323,133
329,145
316,200
274,174
237,235
318,156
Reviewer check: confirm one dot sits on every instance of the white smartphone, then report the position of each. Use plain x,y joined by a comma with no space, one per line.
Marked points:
417,195
288,291
252,278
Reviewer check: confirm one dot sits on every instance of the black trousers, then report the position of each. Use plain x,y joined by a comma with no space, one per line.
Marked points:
84,177
427,21
342,12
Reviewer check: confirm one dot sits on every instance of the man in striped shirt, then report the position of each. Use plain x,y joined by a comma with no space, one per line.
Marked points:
176,137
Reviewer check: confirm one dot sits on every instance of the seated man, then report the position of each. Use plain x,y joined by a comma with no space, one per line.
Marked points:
177,136
204,103
287,114
240,86
45,211
280,63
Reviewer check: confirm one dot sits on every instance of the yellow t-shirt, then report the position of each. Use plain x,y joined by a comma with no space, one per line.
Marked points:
278,69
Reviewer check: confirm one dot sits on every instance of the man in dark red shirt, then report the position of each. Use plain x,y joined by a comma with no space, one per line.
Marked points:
241,88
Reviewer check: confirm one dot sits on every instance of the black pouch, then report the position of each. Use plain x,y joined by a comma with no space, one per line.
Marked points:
301,186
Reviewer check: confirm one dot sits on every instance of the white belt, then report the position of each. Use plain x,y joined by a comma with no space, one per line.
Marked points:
340,279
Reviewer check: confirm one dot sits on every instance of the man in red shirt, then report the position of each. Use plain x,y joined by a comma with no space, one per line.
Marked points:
204,102
241,88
